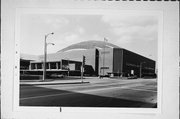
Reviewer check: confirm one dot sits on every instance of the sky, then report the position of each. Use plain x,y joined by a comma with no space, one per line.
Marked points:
137,33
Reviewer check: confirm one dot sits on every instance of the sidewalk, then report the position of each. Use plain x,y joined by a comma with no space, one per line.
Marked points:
75,80
52,82
70,80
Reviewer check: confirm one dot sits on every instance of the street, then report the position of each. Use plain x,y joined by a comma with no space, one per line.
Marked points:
94,92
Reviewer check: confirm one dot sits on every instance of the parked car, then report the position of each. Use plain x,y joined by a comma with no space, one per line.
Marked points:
132,77
101,76
57,75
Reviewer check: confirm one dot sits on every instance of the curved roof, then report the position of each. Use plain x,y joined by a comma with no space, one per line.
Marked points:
28,57
89,45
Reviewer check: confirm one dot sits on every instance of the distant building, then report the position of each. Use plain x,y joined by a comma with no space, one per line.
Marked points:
100,59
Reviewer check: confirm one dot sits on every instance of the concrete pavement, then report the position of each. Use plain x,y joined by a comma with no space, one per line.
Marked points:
107,92
70,80
52,81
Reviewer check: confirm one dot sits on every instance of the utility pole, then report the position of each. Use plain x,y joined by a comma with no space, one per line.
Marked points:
82,67
44,63
68,68
82,73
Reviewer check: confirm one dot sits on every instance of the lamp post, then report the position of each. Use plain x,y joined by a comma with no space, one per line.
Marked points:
140,66
105,40
45,54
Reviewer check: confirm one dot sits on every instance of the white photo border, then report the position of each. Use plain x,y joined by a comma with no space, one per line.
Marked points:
20,109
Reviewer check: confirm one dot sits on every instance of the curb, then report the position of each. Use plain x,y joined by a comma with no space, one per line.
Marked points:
52,83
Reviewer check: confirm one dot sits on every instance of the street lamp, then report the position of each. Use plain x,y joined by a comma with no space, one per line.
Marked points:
140,66
45,54
105,40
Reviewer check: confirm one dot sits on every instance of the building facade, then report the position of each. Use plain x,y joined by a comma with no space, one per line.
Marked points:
100,59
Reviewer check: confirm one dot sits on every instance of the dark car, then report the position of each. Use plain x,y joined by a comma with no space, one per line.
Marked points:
101,76
57,76
132,77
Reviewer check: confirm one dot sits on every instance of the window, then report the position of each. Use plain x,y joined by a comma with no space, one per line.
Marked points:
53,65
39,65
32,66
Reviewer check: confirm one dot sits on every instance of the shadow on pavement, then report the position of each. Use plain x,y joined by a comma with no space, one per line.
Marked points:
72,99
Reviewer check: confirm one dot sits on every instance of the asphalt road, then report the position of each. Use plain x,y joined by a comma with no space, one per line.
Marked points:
96,93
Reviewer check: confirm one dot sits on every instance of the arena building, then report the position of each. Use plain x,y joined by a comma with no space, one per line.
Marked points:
101,58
